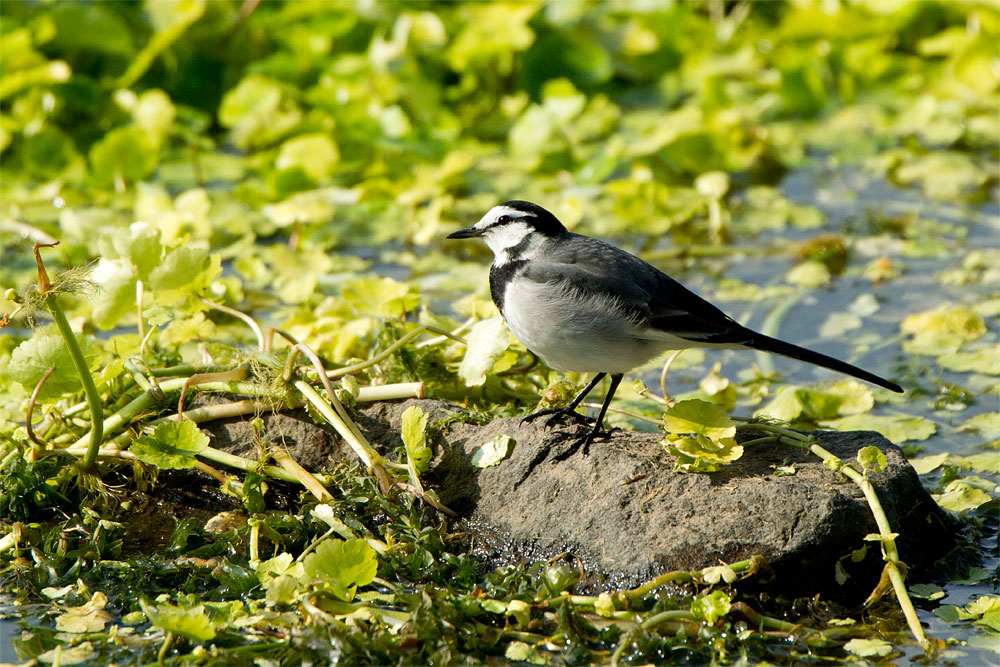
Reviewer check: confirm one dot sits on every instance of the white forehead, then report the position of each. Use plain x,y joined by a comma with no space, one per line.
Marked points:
494,214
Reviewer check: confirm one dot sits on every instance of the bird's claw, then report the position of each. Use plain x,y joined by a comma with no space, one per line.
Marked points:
593,434
555,414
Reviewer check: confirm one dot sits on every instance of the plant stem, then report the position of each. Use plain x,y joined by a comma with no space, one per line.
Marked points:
364,451
889,552
89,389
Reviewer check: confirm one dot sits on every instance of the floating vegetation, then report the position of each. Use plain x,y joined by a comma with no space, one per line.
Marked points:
220,210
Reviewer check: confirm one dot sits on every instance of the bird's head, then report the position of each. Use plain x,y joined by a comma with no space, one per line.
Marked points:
510,229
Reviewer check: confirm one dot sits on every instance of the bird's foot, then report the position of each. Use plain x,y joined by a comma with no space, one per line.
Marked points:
556,414
593,434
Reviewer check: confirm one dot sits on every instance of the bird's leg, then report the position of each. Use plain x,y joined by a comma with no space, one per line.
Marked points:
596,430
569,410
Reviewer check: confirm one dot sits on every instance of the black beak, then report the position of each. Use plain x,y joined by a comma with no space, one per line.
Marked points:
467,233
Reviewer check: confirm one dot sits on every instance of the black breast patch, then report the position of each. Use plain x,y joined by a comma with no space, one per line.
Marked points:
500,276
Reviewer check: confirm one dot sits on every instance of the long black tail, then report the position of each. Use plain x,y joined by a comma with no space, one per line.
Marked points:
767,344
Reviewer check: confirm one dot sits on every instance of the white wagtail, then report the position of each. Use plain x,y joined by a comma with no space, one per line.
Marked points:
583,305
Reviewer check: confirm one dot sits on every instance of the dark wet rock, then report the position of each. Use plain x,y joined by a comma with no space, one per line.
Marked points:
629,517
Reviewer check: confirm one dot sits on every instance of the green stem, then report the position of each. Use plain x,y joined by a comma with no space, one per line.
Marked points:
89,388
364,451
672,615
148,399
890,553
683,576
360,366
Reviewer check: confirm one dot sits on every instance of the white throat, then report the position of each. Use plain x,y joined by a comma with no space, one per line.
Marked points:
501,239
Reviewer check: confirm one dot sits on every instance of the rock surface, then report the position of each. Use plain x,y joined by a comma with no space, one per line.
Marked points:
629,517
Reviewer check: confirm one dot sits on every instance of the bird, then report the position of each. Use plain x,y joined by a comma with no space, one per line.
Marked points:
586,306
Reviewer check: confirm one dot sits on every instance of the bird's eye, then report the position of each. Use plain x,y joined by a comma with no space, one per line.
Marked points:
503,219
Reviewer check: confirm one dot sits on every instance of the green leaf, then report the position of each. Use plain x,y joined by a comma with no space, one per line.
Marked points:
258,111
986,462
926,464
89,617
801,404
711,607
991,620
49,152
698,416
961,495
949,613
958,320
518,651
490,31
172,445
381,296
872,458
983,604
126,154
181,267
486,342
869,648
520,611
927,591
32,359
700,453
491,453
896,428
81,653
809,274
87,27
342,566
987,424
985,360
315,154
116,296
192,623
142,246
414,435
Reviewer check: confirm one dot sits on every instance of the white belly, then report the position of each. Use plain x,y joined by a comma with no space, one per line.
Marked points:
580,334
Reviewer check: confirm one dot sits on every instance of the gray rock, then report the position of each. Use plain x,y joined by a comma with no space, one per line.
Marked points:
629,517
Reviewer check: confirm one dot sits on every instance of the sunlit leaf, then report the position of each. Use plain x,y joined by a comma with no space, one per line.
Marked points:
958,320
413,432
710,608
181,267
172,445
926,464
872,458
697,416
316,154
89,617
869,648
700,453
486,341
985,360
342,565
493,452
116,296
927,591
961,496
896,428
192,623
519,651
799,403
31,360
126,154
809,274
